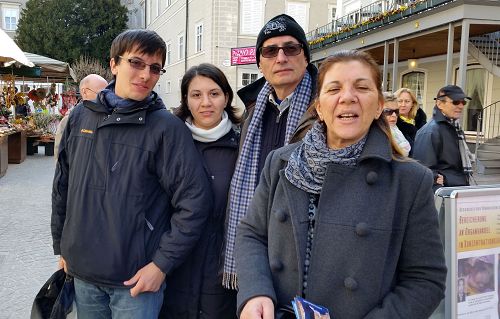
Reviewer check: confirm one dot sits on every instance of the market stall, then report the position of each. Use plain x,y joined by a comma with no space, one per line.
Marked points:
4,148
12,141
33,114
4,153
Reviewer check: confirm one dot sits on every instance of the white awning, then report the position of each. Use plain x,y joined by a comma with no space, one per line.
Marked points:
51,68
10,53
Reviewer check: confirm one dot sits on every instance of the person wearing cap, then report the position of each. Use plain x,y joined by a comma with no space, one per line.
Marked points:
440,144
276,105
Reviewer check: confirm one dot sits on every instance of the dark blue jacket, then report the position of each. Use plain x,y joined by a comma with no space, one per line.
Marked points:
437,147
128,189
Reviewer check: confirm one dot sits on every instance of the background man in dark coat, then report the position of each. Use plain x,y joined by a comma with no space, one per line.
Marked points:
440,144
90,86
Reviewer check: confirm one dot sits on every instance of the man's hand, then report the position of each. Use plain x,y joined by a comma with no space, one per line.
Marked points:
148,278
258,308
62,264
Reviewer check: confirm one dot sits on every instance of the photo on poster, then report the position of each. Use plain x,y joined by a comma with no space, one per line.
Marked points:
461,291
478,275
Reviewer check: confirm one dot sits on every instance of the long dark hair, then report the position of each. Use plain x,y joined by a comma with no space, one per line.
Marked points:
215,74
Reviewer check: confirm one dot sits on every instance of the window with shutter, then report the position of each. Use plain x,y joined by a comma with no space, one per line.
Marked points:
10,16
251,16
300,12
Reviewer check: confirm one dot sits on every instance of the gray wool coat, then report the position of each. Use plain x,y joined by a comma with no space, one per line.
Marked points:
376,253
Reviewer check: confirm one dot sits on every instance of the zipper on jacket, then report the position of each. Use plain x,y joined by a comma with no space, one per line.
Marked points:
150,226
278,118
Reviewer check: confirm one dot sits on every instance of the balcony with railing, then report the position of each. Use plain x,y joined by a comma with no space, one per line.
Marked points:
375,15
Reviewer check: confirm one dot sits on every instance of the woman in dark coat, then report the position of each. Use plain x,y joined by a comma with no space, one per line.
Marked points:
342,218
195,289
411,116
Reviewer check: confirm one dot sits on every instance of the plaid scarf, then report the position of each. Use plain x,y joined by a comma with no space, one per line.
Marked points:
308,163
465,153
244,179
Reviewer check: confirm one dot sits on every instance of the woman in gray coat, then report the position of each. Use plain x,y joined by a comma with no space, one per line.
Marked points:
341,218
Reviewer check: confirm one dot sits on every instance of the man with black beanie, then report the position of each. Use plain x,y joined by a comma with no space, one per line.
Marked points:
276,106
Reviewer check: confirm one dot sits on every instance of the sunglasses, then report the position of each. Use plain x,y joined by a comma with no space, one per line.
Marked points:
458,102
388,112
289,50
141,65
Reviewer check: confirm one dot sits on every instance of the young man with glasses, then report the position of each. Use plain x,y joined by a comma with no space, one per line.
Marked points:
276,107
129,198
440,144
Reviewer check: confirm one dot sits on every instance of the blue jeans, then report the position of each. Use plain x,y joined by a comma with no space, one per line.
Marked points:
97,302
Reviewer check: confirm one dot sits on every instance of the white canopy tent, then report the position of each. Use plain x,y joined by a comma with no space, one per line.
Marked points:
10,53
53,70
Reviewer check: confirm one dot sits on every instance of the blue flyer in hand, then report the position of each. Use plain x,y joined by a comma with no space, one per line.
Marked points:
307,310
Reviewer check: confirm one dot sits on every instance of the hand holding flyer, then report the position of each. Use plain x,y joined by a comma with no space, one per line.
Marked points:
307,310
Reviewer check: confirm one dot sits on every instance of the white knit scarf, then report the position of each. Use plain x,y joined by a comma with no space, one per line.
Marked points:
213,134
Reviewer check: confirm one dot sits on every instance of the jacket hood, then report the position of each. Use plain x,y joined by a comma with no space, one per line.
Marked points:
249,93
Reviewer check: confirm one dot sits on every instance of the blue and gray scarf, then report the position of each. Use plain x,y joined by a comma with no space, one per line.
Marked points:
246,172
307,166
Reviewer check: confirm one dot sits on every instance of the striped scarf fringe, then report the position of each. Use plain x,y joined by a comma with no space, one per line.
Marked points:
244,179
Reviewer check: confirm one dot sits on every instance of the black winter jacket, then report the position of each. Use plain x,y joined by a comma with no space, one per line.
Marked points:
436,146
128,189
409,130
195,288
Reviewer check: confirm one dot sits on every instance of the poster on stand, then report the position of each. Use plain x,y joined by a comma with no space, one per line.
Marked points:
478,257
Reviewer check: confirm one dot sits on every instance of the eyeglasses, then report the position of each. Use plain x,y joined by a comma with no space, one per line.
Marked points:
289,50
90,90
389,112
456,103
141,65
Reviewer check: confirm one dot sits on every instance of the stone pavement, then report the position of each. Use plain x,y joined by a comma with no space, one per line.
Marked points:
26,257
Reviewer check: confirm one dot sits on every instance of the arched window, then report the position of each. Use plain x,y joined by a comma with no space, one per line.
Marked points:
475,88
415,81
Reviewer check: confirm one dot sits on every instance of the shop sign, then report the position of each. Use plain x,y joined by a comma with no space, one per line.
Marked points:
242,56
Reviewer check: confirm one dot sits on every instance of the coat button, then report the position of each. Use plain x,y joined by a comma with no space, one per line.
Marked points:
362,229
281,216
350,284
140,119
118,119
276,265
371,177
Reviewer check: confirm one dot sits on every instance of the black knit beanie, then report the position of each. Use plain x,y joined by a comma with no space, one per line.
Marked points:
282,25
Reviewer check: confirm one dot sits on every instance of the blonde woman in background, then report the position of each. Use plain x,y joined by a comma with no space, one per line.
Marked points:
411,117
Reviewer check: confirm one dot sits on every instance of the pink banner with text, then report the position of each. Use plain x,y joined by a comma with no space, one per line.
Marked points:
242,56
